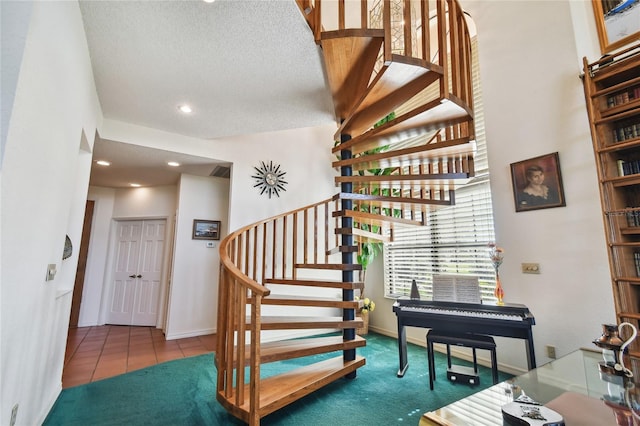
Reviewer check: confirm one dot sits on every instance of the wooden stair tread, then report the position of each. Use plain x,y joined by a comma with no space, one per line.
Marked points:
349,57
293,300
397,82
330,266
430,191
281,390
316,283
361,234
445,150
373,218
297,348
342,249
416,204
301,382
431,116
390,201
301,322
452,179
371,236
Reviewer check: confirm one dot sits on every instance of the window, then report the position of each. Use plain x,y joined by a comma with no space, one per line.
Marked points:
455,239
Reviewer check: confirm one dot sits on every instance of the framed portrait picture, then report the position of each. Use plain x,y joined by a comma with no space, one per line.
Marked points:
618,23
206,229
537,183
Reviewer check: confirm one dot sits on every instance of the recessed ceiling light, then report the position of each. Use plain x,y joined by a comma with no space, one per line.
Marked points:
185,108
135,185
173,164
103,163
209,1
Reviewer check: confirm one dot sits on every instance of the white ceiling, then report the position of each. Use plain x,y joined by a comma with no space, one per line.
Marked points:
245,66
144,166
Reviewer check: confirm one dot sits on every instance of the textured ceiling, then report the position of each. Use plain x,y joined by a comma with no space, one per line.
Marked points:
245,66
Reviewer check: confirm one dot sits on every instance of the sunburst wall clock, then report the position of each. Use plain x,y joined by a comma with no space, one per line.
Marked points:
269,179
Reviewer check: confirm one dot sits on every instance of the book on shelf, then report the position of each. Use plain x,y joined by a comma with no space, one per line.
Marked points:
626,168
626,131
633,218
623,97
636,259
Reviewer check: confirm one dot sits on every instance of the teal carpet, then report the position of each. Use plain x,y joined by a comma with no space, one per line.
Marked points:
182,392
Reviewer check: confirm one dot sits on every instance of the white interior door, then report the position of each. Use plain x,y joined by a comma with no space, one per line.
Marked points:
137,272
147,295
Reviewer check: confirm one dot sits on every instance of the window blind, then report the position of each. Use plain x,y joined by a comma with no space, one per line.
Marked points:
455,239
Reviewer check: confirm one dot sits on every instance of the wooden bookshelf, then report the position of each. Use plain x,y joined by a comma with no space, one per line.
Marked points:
612,90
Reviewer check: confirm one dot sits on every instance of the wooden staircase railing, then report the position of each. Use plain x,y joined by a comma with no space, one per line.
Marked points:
416,78
270,253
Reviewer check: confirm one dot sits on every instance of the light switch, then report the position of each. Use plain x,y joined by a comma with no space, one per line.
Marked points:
51,272
530,268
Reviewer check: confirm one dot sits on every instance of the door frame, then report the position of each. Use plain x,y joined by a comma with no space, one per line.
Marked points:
78,287
110,263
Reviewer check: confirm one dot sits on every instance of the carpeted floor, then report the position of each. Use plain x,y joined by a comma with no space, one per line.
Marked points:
182,392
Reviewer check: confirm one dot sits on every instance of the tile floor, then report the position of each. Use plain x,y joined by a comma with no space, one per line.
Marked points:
95,353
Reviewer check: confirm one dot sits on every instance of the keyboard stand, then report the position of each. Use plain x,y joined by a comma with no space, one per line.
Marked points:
413,313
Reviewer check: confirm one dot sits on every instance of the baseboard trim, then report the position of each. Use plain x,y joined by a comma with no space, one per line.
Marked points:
461,354
186,334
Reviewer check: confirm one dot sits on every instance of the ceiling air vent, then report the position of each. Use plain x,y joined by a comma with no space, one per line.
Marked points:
221,171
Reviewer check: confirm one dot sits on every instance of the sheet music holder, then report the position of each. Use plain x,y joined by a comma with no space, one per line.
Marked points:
456,288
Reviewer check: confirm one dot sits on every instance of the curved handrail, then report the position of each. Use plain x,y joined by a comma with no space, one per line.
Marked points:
227,263
228,242
269,248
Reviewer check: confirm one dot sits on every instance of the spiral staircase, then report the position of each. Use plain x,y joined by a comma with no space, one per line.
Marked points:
403,100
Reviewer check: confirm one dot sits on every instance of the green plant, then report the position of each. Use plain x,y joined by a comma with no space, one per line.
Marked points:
368,252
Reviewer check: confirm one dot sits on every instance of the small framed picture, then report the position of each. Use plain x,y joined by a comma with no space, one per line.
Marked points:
537,183
206,229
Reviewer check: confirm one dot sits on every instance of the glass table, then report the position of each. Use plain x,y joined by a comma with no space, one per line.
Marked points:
572,386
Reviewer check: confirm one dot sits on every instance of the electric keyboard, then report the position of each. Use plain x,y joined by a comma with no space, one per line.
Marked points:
509,320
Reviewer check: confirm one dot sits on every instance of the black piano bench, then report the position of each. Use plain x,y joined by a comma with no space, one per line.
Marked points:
458,373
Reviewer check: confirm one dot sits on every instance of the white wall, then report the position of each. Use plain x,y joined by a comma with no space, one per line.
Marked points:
572,296
97,254
533,105
305,154
193,296
44,184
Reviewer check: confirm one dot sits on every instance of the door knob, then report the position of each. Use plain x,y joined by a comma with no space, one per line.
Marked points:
135,276
139,276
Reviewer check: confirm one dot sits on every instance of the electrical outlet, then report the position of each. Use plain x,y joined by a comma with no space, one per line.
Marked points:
551,351
14,415
530,268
